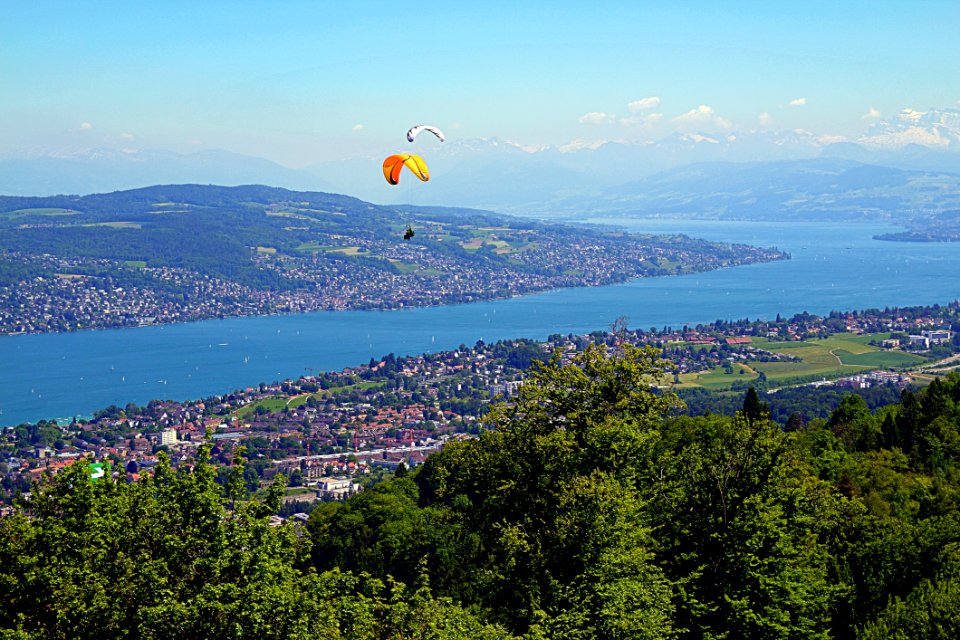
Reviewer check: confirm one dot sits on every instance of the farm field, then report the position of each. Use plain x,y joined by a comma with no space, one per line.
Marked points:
834,357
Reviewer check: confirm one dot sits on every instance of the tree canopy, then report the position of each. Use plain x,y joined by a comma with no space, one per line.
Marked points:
584,509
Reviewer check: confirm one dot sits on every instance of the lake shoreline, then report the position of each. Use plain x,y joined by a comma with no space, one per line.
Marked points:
63,374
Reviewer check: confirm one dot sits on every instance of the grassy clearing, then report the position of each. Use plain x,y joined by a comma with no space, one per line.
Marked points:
115,225
718,378
349,251
822,367
313,247
404,267
499,246
322,211
270,404
885,359
268,250
288,214
41,211
135,264
277,403
851,343
839,355
299,491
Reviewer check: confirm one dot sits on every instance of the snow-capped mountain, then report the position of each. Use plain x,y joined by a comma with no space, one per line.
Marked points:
493,173
934,128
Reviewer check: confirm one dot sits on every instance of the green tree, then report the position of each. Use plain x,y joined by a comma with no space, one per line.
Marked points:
551,490
753,408
739,522
854,425
163,558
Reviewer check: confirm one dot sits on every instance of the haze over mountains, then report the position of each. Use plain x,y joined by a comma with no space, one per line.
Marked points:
906,162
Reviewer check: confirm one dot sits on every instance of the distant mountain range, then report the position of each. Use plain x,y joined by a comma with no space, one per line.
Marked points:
900,166
100,170
819,188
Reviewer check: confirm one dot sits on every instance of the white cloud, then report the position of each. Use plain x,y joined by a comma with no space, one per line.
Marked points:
911,115
825,139
595,117
644,104
798,102
701,116
126,136
85,126
358,127
703,113
765,119
640,120
871,114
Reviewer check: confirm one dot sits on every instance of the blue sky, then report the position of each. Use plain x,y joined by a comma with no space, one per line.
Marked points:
304,82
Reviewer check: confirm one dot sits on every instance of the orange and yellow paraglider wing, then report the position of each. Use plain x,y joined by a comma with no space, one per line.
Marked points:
392,167
418,166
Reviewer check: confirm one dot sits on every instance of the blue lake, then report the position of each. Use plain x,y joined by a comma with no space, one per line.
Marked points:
834,267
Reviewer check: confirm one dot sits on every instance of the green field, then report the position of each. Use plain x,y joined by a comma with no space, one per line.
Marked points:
839,355
717,379
270,404
115,225
410,267
43,211
275,404
313,247
883,359
298,491
349,251
136,264
288,214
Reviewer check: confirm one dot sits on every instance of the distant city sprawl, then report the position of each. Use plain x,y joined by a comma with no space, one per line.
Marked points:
137,258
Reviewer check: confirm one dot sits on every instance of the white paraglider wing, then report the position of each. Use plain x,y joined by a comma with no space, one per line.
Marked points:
412,133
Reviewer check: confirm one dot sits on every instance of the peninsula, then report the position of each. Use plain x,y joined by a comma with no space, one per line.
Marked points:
181,253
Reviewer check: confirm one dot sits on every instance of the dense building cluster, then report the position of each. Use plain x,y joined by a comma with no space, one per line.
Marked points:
89,293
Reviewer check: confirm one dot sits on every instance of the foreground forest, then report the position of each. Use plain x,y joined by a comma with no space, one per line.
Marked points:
585,510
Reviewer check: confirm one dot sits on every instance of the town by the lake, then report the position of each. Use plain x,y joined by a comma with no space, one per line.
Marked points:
332,433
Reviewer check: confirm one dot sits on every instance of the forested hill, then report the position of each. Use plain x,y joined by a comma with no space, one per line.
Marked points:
583,510
140,203
187,252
